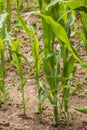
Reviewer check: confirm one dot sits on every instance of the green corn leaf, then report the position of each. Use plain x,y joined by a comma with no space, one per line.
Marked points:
53,3
62,35
28,75
65,86
58,30
74,4
27,101
83,38
84,19
82,110
35,48
3,25
69,66
42,86
76,89
2,57
25,27
48,37
59,78
16,56
77,5
66,117
47,72
35,53
40,3
82,8
1,45
18,63
3,19
28,14
47,94
11,63
40,61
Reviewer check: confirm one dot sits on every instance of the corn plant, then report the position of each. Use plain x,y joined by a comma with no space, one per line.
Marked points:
3,88
56,23
5,26
83,36
37,59
18,62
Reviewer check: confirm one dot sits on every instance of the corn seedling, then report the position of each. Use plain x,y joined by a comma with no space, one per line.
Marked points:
37,59
3,89
57,24
18,61
5,23
83,37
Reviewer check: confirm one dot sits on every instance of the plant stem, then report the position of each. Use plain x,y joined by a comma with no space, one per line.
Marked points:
22,90
9,22
65,90
56,118
3,74
23,98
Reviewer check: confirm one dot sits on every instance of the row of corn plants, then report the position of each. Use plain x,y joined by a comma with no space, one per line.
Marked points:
57,60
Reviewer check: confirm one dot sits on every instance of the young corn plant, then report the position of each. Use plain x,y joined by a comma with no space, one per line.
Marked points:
56,23
83,37
37,59
5,21
51,65
18,61
3,89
